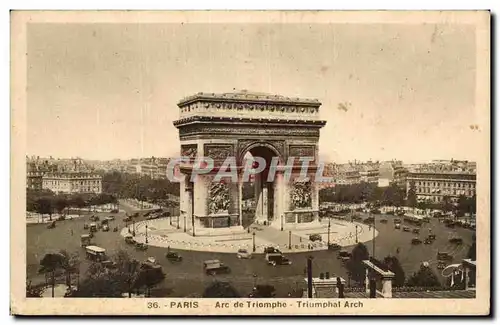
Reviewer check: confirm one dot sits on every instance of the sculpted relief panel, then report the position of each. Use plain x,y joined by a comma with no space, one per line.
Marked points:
301,194
189,150
218,151
219,199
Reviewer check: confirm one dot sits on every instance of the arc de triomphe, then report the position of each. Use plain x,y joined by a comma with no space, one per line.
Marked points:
232,124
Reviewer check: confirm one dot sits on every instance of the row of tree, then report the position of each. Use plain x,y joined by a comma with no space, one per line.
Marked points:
144,188
46,202
364,192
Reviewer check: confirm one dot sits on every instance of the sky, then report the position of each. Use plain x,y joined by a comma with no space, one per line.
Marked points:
105,91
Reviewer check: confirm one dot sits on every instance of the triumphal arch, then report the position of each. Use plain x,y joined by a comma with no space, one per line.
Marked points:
234,124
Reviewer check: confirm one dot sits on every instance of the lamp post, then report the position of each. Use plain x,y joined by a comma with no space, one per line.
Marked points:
356,234
253,240
184,222
146,234
133,228
328,242
373,241
289,239
254,280
178,225
281,222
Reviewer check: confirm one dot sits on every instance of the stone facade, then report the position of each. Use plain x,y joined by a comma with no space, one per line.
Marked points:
223,125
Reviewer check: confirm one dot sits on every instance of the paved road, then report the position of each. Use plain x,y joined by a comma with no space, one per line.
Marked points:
187,278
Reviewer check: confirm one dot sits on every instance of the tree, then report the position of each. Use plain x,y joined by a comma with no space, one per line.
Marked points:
472,251
355,264
49,264
60,204
424,277
44,206
392,263
446,204
220,290
411,198
70,264
148,277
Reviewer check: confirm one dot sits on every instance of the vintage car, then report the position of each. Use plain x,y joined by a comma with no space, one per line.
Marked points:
213,267
406,229
115,229
334,247
127,219
105,227
94,218
85,226
108,264
315,237
110,218
141,246
397,220
277,259
397,226
129,239
114,211
416,241
383,220
95,253
441,265
271,249
85,240
444,256
416,231
344,255
431,236
93,227
428,241
456,240
243,253
173,257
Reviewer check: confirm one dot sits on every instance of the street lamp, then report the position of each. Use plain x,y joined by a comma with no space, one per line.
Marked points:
281,222
289,239
356,234
133,228
328,242
253,239
178,226
254,280
146,234
184,222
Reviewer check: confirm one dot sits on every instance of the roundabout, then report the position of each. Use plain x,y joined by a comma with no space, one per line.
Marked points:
161,233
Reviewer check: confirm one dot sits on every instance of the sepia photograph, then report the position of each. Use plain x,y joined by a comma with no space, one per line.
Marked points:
251,163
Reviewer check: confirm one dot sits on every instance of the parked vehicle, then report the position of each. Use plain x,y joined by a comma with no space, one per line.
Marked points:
334,247
85,240
93,227
277,259
271,249
416,241
213,267
243,253
343,255
95,253
397,226
129,239
444,256
315,237
416,231
141,246
85,226
406,229
456,240
173,257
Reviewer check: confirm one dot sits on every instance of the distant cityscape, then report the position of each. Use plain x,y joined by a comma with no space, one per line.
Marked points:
432,181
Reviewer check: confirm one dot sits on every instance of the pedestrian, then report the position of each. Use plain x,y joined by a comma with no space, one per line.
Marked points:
397,250
71,232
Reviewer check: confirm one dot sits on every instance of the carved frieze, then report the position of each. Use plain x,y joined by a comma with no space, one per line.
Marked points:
286,131
301,151
218,151
189,150
255,106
